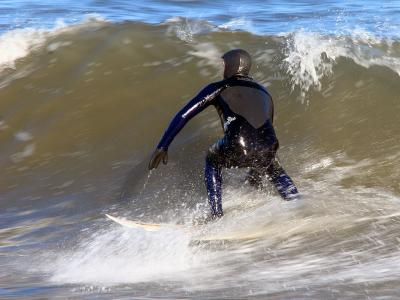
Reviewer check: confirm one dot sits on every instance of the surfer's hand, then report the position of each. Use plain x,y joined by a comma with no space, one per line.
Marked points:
158,155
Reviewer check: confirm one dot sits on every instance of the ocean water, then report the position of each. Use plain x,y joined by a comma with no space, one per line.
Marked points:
263,17
86,91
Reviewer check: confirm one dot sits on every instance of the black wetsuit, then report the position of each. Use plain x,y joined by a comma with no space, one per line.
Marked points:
246,112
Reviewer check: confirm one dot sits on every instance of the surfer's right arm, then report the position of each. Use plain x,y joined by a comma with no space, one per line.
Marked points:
203,99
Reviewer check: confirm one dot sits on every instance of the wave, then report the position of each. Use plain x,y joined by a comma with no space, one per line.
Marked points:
306,56
83,106
93,70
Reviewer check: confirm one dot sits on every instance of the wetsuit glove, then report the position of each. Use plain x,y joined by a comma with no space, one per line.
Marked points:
158,155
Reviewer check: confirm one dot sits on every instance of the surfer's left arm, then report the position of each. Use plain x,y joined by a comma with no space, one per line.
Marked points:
203,99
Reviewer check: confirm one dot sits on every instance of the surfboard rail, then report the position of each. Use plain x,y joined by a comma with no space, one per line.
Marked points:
198,235
143,225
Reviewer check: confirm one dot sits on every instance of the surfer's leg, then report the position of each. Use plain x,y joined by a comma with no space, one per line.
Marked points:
213,181
283,183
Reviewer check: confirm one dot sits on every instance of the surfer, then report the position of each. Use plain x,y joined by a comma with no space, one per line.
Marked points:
246,111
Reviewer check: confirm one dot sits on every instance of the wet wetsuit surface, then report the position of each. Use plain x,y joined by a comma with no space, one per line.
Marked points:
246,112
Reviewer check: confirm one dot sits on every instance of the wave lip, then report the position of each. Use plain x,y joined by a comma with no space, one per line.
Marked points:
307,56
311,56
18,43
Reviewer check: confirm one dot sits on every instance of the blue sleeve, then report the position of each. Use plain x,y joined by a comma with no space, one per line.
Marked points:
196,105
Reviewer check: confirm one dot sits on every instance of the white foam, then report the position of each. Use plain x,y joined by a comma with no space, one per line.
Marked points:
241,23
310,56
304,60
3,125
209,53
186,29
120,255
322,164
23,136
28,150
54,46
18,43
298,243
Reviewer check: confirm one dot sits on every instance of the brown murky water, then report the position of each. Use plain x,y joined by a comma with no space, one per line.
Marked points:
81,114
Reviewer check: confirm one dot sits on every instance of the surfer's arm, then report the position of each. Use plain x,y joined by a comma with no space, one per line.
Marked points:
272,111
203,99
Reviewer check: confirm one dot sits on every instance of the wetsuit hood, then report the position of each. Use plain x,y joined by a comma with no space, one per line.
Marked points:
237,62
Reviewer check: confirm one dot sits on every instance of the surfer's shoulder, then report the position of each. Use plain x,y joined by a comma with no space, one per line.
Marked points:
211,90
214,86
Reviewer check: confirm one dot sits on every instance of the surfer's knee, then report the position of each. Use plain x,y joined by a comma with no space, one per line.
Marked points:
210,158
213,157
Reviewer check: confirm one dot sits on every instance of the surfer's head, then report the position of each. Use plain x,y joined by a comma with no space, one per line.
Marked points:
237,62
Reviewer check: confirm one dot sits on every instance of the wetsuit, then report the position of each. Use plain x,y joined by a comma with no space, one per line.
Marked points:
246,112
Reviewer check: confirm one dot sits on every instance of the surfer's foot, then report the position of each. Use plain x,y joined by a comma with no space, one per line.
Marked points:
296,201
213,217
217,215
292,197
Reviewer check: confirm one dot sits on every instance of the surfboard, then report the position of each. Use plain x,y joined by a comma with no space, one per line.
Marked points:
197,230
142,225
